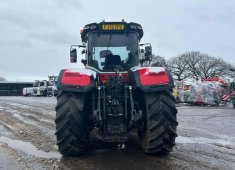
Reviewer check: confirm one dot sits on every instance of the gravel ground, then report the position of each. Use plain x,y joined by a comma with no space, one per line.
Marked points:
27,141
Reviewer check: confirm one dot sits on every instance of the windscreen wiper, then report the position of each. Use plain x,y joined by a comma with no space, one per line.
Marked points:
108,44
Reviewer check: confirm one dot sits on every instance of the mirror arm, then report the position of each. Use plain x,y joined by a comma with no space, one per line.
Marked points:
145,44
79,46
84,62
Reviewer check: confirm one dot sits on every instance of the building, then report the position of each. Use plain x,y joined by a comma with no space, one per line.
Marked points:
13,88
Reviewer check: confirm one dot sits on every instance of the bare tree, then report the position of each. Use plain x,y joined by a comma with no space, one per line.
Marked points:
178,67
158,61
227,70
192,59
209,66
194,64
198,65
213,66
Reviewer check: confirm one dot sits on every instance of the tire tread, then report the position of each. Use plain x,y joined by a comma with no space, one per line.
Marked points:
160,131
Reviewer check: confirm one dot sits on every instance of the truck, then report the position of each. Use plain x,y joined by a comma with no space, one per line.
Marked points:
114,94
53,81
42,88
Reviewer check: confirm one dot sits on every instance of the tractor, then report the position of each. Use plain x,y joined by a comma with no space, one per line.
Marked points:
115,93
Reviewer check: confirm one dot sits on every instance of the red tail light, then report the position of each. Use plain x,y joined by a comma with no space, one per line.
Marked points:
105,77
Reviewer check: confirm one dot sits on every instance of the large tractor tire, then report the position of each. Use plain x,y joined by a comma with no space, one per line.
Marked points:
158,132
71,124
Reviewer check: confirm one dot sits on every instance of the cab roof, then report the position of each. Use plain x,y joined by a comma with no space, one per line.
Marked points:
111,27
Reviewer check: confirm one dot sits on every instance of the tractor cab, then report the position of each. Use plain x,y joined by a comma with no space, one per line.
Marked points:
111,46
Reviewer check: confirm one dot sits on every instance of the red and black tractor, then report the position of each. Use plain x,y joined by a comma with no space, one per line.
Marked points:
114,94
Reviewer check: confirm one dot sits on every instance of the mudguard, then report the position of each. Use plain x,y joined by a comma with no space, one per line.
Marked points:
76,80
151,79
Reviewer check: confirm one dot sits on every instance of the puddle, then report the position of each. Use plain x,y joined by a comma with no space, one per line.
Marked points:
28,148
201,140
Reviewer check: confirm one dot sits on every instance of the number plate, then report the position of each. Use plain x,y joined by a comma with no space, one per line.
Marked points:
109,27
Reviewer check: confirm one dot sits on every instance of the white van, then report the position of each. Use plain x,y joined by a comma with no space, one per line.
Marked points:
27,91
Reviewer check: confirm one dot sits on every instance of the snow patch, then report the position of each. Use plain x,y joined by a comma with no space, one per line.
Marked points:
149,69
23,119
186,140
5,132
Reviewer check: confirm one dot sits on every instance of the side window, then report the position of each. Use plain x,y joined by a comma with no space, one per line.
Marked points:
41,83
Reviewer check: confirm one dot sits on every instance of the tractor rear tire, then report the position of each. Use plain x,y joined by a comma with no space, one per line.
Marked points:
158,133
71,124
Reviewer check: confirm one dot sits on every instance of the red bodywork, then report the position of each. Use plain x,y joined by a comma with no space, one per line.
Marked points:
150,77
75,79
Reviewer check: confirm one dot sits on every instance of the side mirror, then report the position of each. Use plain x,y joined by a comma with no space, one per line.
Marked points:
148,50
73,55
148,53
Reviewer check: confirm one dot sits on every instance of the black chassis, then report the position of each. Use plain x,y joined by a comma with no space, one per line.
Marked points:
115,109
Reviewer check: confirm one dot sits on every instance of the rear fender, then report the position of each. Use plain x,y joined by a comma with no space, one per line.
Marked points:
76,80
152,79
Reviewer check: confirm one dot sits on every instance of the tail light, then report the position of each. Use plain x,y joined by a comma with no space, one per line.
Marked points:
106,76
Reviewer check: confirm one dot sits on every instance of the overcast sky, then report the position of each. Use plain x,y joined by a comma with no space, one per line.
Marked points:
35,36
